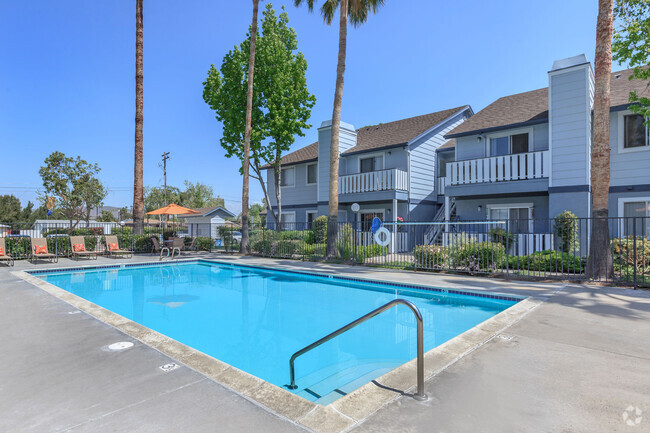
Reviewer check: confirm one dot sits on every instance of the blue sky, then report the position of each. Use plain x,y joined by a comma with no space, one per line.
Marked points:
67,76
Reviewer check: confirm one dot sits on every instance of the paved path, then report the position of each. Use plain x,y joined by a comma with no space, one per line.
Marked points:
574,364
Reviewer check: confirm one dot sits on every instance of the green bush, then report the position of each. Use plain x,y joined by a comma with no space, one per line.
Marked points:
431,256
480,256
18,247
262,247
565,227
320,229
624,258
286,248
315,250
368,251
205,243
501,236
546,261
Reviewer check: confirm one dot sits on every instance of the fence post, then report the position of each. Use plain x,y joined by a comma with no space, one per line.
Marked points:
634,251
507,248
303,242
263,241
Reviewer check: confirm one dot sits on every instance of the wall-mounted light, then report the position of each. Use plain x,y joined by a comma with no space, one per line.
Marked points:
480,208
479,138
389,153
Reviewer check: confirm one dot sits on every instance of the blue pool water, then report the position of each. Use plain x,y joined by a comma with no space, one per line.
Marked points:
255,319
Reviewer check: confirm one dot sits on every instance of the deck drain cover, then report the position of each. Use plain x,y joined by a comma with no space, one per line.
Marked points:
74,312
169,367
121,345
505,337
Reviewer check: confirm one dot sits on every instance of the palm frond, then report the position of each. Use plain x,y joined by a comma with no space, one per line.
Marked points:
358,10
310,4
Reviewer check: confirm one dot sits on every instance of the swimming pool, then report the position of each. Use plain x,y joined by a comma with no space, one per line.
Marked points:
256,318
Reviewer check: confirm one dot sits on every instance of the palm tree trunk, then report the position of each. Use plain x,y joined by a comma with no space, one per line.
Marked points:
243,248
138,192
332,226
600,265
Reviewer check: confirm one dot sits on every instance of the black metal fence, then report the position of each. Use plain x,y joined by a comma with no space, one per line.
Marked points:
556,248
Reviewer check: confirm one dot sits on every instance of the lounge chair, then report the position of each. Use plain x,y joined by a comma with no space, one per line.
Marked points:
177,245
39,249
194,246
113,248
78,248
3,253
157,248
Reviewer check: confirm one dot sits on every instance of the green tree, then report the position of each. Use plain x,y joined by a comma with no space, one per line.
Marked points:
94,195
70,180
106,216
198,195
631,44
10,211
281,101
255,210
124,214
356,11
155,198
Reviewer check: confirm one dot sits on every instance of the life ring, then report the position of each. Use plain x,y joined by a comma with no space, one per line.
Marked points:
378,233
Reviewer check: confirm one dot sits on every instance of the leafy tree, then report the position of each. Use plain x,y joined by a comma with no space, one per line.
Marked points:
94,195
138,189
26,213
106,216
631,44
600,263
254,211
10,211
124,214
198,195
356,11
565,227
71,181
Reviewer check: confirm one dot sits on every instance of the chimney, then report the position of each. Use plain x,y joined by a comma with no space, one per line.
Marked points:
347,140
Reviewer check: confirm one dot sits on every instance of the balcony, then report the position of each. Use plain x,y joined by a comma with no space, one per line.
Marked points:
382,180
519,166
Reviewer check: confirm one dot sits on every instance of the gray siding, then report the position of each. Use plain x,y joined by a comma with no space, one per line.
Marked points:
347,140
300,193
395,157
471,148
467,209
423,159
570,119
626,168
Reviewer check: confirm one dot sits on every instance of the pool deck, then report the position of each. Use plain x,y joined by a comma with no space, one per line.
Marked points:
574,363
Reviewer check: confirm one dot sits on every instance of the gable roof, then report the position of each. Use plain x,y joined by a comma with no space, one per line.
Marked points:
381,136
530,108
207,211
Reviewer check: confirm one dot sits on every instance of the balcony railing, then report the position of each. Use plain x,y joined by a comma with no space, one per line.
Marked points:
382,180
519,166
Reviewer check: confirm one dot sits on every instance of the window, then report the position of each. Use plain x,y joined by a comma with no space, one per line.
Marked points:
288,218
635,133
311,216
368,216
312,174
372,163
287,176
510,144
518,218
637,217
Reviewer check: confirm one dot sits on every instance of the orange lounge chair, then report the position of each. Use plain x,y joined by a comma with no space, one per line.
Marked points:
3,253
78,248
113,248
39,250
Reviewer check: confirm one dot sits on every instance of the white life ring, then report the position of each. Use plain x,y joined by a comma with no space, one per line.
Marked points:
378,237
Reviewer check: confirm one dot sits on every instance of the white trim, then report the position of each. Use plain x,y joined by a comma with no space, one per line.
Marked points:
294,177
509,133
371,155
550,135
623,200
428,131
307,173
621,135
293,212
529,206
315,212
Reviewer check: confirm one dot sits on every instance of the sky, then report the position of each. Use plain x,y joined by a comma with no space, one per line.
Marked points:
67,76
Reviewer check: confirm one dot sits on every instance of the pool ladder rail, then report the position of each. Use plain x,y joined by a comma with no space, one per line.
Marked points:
419,395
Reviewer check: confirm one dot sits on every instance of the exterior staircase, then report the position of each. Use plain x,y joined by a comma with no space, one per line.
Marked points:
433,234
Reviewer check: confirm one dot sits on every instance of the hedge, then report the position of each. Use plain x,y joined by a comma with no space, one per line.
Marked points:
479,256
546,261
431,256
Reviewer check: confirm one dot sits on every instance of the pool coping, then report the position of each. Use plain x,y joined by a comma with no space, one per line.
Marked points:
342,414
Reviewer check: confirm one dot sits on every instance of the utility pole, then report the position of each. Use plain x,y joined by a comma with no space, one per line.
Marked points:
165,157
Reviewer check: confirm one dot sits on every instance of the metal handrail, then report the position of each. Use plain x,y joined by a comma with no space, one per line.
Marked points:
419,395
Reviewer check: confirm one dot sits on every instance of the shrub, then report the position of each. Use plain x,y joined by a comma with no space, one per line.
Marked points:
431,256
284,248
169,234
565,227
501,236
204,243
315,250
262,247
368,251
320,229
546,261
624,258
480,256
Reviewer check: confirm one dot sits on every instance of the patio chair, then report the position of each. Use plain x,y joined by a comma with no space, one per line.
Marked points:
78,248
157,248
194,245
113,248
3,253
39,249
177,245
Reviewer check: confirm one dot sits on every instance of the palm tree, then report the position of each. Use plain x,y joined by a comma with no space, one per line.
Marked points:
138,191
600,257
243,248
356,11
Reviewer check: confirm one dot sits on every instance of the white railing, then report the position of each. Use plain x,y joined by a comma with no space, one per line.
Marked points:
442,181
518,166
382,180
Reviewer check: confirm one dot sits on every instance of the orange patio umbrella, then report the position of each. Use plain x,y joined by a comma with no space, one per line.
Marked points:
172,209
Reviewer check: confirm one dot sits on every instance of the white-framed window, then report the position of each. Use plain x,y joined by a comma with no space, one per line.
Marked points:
288,218
368,163
519,216
633,134
311,216
636,214
288,177
312,174
510,144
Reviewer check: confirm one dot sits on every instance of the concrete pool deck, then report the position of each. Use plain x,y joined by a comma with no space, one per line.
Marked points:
575,363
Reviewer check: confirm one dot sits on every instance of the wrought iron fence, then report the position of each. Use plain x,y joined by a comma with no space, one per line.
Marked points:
556,248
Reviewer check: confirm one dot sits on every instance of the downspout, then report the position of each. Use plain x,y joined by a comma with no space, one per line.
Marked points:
408,188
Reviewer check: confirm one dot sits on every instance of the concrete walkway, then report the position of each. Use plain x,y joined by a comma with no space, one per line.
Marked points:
574,364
